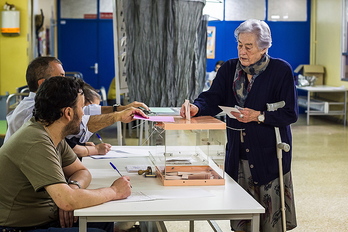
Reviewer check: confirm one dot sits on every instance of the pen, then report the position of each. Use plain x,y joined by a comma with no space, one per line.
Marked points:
114,167
101,140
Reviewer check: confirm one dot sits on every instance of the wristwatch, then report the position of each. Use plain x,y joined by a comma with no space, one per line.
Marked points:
261,117
74,182
114,107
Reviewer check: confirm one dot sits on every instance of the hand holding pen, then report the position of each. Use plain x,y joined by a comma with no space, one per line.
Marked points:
114,167
102,148
100,139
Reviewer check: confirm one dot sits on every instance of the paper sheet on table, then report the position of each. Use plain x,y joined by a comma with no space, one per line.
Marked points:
151,195
117,152
156,118
166,111
227,110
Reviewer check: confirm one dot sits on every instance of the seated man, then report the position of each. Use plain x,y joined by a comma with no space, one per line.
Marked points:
41,179
39,70
92,99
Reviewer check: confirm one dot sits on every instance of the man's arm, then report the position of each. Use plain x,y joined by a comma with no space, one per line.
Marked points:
78,172
135,104
68,199
98,122
107,109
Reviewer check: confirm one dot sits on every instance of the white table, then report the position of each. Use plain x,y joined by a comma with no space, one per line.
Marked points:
226,202
311,90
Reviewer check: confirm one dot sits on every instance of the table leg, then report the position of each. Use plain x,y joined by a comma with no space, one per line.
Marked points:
255,223
140,143
214,226
82,224
308,106
161,227
345,109
192,226
146,132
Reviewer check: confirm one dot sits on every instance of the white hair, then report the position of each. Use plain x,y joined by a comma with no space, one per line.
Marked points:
258,28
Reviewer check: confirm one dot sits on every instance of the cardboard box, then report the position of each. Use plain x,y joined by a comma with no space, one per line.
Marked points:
312,70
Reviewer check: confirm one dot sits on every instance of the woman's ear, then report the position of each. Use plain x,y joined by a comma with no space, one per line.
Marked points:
264,51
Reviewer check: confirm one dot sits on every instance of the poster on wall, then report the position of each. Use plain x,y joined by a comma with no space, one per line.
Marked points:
211,42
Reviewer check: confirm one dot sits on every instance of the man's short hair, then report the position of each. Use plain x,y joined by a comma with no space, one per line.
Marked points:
39,68
53,95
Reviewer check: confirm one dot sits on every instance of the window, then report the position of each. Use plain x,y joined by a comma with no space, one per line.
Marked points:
78,9
237,10
215,9
287,10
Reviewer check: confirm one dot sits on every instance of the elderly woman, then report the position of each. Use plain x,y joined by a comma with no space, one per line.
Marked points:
250,82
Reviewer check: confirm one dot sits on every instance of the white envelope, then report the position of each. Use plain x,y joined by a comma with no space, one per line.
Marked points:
227,110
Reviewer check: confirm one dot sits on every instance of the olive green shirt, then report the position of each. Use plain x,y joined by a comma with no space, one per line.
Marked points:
28,162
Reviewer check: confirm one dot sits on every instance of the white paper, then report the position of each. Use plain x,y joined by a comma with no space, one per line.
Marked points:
227,110
122,152
136,168
151,195
187,110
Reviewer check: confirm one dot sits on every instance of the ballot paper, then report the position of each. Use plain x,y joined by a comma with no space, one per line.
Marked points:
122,152
165,194
227,110
155,118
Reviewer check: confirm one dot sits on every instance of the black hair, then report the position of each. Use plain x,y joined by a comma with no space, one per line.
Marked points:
90,93
39,68
219,62
53,95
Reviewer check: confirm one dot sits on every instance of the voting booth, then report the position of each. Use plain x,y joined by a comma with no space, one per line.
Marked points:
190,152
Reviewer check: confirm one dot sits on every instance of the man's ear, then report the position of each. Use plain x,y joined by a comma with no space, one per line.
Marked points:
39,82
68,112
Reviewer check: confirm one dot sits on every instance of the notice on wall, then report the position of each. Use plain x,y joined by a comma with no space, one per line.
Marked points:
211,32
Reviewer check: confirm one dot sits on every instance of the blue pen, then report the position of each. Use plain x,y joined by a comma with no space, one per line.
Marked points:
114,167
99,137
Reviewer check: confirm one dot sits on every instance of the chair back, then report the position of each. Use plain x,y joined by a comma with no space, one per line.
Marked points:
13,100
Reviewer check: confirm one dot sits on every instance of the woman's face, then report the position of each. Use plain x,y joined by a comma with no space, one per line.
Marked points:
248,51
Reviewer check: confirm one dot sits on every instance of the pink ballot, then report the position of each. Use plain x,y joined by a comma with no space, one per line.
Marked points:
155,118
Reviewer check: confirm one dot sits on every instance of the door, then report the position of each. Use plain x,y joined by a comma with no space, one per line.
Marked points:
85,39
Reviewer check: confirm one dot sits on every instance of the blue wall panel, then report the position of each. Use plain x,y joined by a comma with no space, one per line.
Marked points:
290,42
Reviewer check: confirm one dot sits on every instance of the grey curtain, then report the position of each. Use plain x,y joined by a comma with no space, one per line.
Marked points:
166,50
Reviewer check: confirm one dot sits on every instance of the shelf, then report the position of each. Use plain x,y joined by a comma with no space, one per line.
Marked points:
312,112
317,106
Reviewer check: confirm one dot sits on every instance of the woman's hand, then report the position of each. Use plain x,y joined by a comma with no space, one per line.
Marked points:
247,115
193,110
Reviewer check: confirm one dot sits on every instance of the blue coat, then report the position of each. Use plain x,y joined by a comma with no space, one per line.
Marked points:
275,84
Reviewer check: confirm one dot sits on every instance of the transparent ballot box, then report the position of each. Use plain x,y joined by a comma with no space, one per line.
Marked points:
190,152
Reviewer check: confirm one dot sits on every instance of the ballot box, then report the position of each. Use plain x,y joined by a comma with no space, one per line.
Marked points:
190,152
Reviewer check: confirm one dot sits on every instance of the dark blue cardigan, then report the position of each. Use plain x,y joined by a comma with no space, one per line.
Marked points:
275,84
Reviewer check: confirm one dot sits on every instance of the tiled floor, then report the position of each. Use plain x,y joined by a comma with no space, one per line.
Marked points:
320,176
